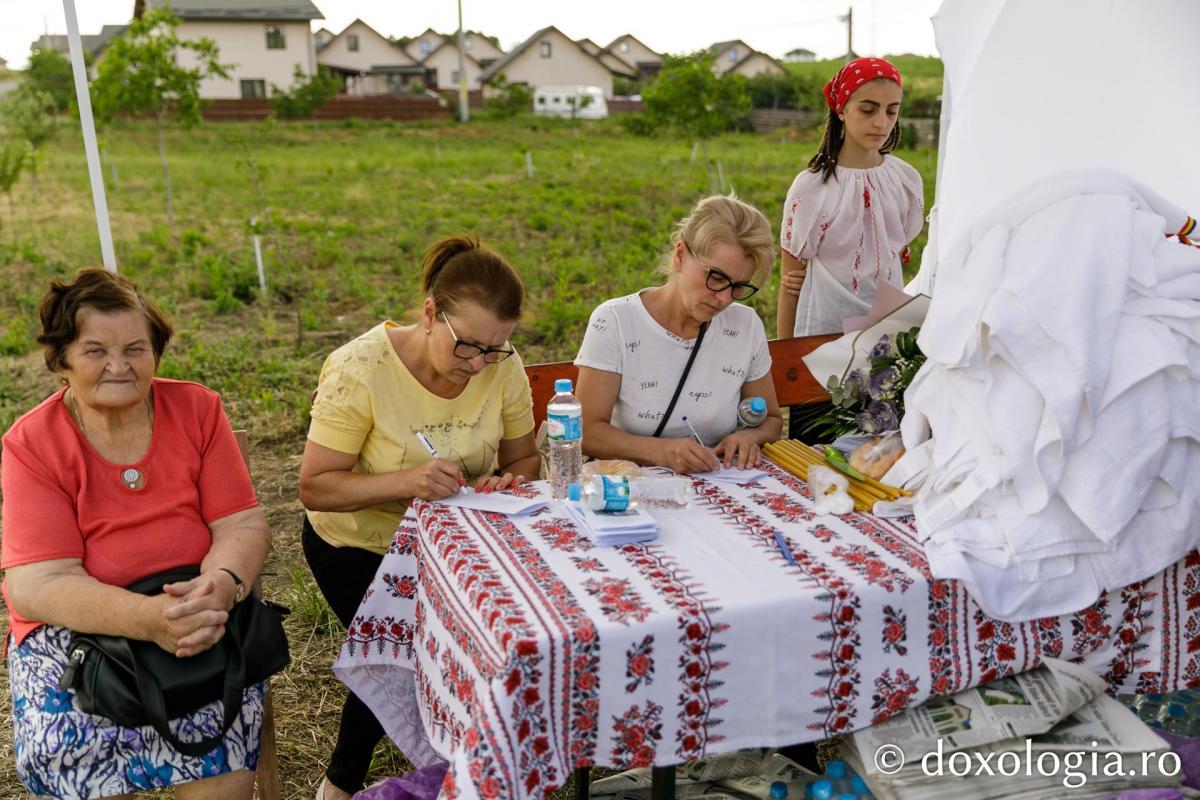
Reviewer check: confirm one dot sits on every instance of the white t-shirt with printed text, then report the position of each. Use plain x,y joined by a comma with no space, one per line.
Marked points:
623,338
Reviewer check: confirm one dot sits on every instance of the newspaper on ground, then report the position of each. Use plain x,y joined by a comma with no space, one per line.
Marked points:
1095,748
741,775
1017,706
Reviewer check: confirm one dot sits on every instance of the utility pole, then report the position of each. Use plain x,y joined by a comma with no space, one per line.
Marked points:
849,20
464,104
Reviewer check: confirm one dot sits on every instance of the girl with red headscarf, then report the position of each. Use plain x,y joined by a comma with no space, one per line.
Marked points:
850,215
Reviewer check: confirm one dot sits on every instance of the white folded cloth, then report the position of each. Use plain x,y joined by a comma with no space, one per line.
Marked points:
1062,395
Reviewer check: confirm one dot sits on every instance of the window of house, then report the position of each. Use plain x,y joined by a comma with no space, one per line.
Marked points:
466,42
352,43
541,101
545,49
254,89
423,45
454,77
732,54
623,46
275,40
557,99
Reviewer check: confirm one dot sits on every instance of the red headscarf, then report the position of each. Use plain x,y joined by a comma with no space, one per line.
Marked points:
850,77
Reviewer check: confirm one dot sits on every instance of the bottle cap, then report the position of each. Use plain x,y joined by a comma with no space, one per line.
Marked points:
563,385
822,790
778,790
858,784
574,492
836,769
758,405
847,796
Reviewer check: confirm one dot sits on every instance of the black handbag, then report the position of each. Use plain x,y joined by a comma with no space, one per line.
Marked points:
135,683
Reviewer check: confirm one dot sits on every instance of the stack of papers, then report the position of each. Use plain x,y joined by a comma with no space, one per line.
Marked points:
627,527
734,475
497,502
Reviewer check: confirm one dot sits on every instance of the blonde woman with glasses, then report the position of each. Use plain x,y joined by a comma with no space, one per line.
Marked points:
661,371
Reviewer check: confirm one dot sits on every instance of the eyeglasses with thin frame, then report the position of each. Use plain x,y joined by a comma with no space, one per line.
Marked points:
467,351
718,281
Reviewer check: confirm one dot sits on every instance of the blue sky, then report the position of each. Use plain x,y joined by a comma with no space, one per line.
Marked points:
773,26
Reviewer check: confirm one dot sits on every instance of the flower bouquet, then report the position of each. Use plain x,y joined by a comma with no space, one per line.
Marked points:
869,400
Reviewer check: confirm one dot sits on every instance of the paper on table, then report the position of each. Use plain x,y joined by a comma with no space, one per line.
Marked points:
495,501
734,475
613,529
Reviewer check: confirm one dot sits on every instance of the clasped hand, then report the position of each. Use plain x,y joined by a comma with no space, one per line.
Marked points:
192,614
440,478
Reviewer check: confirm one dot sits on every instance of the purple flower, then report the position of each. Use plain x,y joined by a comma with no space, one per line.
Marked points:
885,415
883,348
855,383
882,382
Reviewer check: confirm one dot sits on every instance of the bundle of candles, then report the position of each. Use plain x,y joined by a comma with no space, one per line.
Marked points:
796,458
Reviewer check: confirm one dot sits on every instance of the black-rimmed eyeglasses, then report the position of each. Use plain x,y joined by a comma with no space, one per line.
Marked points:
467,351
718,281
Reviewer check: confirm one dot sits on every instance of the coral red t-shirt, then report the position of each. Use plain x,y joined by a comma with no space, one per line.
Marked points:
63,500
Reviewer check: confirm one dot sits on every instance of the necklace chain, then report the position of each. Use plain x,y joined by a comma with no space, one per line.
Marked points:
129,476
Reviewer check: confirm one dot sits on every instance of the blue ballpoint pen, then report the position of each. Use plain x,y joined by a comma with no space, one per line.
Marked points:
783,548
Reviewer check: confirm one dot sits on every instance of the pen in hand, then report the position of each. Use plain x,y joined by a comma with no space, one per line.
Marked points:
424,440
695,435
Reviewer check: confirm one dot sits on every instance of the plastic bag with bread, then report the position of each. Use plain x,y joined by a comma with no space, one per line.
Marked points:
875,456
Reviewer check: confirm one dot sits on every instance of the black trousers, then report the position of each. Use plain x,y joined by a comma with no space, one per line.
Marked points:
343,574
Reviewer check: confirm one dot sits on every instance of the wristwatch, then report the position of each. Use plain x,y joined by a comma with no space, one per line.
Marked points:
241,587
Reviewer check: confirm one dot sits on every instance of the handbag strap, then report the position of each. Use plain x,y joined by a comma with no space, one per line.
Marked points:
151,695
662,423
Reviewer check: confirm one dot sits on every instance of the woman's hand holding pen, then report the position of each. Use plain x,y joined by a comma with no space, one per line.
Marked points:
433,480
688,455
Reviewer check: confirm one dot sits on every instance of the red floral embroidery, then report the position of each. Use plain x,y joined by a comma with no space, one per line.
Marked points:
1191,628
619,601
784,506
872,567
1090,628
587,564
997,647
892,694
561,534
638,732
945,659
402,586
639,664
1131,633
895,631
379,632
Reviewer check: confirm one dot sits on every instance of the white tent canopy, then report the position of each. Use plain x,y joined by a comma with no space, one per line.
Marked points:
1036,87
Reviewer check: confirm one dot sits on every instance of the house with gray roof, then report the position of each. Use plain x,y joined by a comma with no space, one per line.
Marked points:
263,41
551,58
735,57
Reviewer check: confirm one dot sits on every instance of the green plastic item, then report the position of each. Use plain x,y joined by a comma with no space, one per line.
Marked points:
839,462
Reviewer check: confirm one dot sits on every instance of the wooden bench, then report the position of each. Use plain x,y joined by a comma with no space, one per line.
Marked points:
794,384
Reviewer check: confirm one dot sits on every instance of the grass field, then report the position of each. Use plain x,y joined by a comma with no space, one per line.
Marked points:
351,208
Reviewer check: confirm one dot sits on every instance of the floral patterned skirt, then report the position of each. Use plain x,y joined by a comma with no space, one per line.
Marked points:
66,753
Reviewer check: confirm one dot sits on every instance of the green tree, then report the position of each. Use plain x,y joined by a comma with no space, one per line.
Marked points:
308,93
511,98
140,74
690,99
12,160
49,71
27,115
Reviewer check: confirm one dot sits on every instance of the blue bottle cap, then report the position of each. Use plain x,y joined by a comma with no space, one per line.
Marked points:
563,386
778,790
808,790
858,784
574,492
836,769
758,405
847,796
822,790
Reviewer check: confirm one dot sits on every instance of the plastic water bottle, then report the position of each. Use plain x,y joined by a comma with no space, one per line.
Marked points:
564,419
618,493
751,412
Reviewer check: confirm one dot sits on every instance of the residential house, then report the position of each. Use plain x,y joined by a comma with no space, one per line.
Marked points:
799,55
423,44
322,37
628,48
3,62
737,57
441,63
93,43
551,58
369,62
263,41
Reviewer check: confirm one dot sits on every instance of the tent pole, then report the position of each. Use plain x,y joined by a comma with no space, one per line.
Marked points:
89,137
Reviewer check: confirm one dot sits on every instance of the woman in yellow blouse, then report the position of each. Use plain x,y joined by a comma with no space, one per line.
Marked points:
452,378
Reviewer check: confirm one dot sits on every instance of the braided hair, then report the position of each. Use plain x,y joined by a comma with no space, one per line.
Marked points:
825,159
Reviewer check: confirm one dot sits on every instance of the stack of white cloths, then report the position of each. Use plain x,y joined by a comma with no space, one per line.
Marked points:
1058,414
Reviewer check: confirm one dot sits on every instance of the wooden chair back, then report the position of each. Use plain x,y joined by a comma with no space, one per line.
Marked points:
266,782
794,384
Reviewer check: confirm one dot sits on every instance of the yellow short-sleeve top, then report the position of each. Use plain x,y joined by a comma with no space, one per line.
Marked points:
370,404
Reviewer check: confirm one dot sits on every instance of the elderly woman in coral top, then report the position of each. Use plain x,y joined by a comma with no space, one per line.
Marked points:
116,476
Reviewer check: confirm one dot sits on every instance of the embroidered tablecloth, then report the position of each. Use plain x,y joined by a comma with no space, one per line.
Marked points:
517,649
